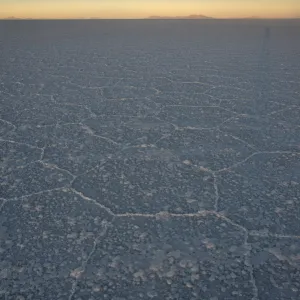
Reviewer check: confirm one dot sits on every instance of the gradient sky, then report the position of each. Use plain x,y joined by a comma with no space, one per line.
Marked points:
145,8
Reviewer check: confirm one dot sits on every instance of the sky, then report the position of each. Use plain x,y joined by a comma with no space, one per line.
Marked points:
143,8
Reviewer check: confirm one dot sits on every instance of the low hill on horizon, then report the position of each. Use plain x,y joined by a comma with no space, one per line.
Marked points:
190,17
12,18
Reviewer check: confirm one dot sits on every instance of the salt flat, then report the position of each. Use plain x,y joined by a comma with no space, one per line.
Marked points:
150,159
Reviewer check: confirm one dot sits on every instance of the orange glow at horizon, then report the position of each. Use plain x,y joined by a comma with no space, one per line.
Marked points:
142,9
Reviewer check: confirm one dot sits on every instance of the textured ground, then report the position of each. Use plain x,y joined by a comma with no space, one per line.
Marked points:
150,160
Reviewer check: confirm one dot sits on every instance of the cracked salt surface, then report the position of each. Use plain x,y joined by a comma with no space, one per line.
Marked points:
130,170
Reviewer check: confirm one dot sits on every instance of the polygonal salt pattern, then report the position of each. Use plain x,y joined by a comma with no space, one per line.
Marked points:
208,149
148,181
266,192
169,258
276,267
46,240
33,178
149,160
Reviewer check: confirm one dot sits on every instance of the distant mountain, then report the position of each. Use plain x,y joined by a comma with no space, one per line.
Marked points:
11,18
190,17
14,18
252,17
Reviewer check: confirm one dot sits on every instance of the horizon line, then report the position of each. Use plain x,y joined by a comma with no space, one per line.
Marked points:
152,18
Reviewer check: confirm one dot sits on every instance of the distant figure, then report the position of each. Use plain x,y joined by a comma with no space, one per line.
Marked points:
267,33
266,41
